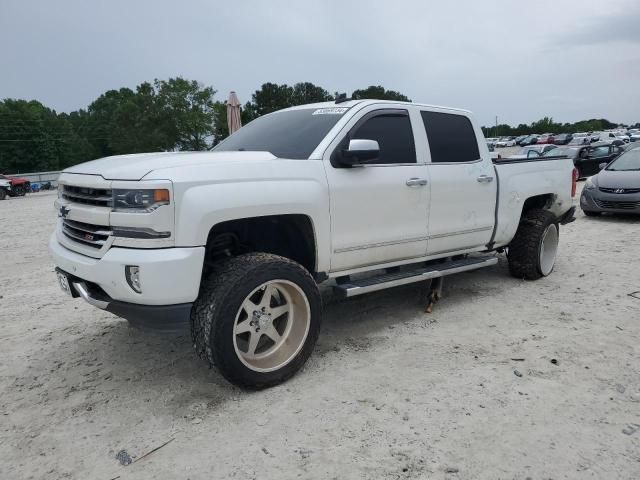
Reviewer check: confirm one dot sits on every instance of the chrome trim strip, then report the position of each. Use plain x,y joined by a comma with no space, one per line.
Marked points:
408,240
82,290
77,237
85,227
380,244
352,292
461,232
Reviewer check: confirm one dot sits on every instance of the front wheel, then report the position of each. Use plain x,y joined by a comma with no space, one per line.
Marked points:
3,194
532,252
257,319
19,191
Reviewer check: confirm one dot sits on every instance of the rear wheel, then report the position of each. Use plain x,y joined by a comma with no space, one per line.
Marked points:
19,191
257,319
532,252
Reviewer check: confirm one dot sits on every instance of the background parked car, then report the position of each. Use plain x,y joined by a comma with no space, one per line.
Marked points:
580,140
546,138
506,142
19,186
616,188
532,151
5,188
563,138
529,140
585,165
598,153
520,138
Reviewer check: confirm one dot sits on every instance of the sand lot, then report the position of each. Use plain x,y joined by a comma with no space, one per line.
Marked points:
390,392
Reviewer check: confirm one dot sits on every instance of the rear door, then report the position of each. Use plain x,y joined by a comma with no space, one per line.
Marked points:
463,184
379,209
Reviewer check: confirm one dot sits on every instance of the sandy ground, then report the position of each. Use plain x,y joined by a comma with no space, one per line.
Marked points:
390,392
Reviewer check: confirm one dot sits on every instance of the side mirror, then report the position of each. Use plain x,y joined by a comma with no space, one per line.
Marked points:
603,165
360,151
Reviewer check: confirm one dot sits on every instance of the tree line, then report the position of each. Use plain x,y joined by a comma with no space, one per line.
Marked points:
163,115
547,125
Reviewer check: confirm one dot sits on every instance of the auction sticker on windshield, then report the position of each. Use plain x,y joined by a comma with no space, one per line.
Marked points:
330,111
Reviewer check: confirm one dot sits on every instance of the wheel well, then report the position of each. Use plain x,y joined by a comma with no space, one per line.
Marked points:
539,201
290,236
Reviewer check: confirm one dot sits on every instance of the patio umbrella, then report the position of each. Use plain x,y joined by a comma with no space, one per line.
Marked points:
233,113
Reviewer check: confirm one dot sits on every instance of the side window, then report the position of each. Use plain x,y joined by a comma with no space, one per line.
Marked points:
599,152
451,137
394,136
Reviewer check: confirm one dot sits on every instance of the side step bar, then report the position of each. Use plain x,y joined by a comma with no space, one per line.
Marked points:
388,280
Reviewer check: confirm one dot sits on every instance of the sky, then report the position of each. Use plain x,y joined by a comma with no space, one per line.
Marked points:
518,60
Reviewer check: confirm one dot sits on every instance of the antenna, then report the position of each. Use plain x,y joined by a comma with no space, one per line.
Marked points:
341,98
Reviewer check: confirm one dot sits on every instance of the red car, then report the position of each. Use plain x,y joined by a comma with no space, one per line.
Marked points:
19,186
546,138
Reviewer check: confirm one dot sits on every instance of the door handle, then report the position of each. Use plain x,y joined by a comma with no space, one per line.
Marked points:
416,182
485,179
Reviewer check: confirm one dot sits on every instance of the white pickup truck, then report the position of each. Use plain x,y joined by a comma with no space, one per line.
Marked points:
365,194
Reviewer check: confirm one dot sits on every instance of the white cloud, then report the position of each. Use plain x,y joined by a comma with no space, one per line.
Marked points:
518,60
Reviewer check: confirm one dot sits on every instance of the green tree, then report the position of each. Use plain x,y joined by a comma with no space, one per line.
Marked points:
378,93
32,137
271,97
191,109
307,92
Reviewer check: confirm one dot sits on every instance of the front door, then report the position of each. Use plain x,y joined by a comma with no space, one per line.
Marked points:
379,210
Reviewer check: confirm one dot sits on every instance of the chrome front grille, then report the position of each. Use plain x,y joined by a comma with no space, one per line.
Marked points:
617,205
620,190
99,197
95,236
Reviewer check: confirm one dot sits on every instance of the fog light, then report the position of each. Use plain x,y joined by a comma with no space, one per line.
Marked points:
132,273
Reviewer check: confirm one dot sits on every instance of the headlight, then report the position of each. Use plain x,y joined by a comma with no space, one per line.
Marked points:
139,201
60,190
588,185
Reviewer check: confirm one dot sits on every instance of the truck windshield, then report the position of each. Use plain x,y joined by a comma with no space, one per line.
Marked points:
288,134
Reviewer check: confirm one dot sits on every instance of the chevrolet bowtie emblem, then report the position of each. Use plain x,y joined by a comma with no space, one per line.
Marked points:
64,211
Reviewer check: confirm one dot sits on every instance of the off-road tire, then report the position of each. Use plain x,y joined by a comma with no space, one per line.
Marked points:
214,313
524,251
589,213
19,191
3,194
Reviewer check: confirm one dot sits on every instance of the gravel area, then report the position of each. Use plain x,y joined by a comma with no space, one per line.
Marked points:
506,379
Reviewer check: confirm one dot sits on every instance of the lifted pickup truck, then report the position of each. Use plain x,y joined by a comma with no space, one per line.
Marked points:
371,194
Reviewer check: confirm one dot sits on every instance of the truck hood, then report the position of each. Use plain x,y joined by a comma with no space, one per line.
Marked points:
136,166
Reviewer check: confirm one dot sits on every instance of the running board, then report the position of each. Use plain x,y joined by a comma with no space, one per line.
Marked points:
388,280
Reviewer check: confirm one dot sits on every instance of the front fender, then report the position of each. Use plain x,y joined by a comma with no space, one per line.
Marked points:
200,207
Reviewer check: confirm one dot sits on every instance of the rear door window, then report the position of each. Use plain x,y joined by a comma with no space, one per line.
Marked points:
451,137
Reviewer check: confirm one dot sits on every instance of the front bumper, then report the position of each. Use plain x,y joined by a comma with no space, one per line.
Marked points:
597,201
170,279
165,318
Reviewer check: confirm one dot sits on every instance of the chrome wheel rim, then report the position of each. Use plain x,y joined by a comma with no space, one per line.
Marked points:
548,249
271,325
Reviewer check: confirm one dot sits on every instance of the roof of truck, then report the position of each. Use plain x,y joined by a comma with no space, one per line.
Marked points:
365,102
